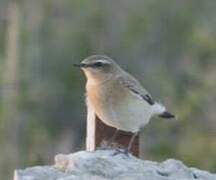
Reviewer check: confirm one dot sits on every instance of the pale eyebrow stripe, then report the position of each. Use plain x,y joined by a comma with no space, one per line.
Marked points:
102,61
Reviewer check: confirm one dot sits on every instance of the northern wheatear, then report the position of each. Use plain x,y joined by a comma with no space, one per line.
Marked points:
117,98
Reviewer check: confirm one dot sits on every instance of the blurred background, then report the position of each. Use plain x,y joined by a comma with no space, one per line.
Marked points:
169,45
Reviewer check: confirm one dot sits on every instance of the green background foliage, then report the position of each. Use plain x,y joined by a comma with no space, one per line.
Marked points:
169,45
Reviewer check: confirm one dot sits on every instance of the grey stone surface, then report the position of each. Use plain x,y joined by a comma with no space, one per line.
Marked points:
102,165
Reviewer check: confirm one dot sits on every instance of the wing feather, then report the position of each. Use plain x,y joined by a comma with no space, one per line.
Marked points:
135,87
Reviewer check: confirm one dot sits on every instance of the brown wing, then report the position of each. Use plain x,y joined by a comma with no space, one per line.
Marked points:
135,87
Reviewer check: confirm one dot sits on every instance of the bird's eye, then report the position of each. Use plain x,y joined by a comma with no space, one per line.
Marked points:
98,64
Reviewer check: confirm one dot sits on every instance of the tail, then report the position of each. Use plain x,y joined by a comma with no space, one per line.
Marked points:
161,111
166,115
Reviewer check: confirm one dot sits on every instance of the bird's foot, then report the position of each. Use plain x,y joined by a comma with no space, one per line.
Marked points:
104,145
121,151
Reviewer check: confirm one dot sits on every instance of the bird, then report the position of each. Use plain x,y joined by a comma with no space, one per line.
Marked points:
117,98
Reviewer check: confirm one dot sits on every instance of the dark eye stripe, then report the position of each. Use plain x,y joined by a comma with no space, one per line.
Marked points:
98,64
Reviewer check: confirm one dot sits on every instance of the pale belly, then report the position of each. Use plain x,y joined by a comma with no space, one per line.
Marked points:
130,116
127,114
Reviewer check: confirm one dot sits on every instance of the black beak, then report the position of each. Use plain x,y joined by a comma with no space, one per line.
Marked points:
81,65
166,115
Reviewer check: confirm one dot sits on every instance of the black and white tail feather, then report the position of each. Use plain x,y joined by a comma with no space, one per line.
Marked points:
136,88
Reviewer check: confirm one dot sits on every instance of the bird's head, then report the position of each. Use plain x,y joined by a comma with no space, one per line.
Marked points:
99,68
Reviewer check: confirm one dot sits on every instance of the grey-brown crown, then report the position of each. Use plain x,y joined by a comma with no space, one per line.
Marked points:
94,58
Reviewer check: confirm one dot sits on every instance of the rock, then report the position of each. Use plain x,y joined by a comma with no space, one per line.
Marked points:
102,165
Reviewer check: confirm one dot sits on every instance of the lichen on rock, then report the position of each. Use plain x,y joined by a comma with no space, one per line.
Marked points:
102,165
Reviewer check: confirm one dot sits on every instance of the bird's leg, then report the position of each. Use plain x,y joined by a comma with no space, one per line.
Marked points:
107,145
131,141
112,139
127,150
